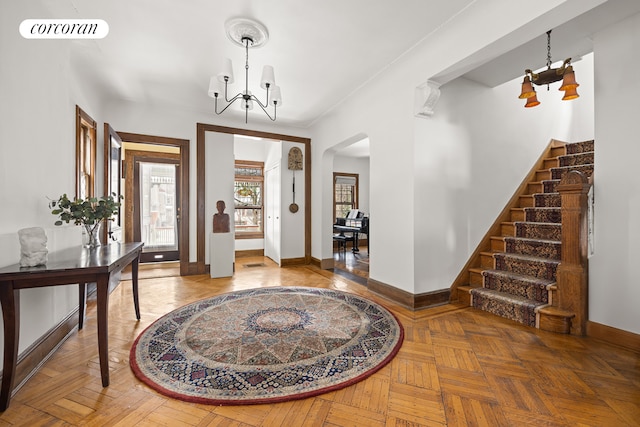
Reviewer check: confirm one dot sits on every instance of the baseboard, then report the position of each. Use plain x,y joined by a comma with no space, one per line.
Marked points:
614,336
288,262
34,356
325,264
409,300
249,253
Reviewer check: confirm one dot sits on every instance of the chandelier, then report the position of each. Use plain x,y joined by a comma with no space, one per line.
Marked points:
246,33
548,76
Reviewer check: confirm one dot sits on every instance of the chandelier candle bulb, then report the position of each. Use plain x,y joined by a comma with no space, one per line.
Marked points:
214,87
268,79
276,96
227,72
569,79
570,94
527,90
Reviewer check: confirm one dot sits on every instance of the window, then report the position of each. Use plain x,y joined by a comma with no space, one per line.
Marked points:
247,194
85,154
345,194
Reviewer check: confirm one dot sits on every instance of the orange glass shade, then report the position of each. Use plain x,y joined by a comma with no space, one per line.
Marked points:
570,93
527,90
532,101
569,79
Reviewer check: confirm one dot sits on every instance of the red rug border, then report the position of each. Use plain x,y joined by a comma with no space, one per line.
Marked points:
241,402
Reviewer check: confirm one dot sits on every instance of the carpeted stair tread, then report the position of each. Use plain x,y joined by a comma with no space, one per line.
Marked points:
577,159
543,214
579,147
550,185
527,265
517,284
519,309
534,247
546,200
539,230
558,173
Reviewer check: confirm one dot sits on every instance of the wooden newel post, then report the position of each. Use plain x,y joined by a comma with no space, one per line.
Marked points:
572,275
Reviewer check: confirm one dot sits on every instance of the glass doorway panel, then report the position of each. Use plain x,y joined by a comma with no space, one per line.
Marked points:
158,219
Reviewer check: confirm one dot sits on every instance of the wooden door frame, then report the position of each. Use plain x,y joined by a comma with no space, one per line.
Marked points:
201,233
133,156
183,146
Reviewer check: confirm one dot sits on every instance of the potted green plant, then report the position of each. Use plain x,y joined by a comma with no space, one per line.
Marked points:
90,213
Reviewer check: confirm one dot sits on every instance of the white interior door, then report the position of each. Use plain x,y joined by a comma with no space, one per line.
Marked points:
272,207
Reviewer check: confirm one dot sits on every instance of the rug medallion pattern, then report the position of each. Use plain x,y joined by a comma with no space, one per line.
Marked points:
265,345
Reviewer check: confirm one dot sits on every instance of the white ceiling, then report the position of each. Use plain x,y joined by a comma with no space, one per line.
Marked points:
163,52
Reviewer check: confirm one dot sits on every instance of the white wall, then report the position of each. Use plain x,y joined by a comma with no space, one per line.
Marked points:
614,289
219,178
37,153
292,230
358,166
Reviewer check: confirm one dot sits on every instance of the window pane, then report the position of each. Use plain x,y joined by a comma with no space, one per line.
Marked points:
248,220
157,216
248,194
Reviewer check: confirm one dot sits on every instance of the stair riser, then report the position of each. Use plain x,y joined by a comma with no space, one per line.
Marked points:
526,201
508,229
475,279
487,261
517,215
551,163
535,187
498,245
542,175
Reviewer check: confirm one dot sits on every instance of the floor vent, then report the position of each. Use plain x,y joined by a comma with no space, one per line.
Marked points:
257,264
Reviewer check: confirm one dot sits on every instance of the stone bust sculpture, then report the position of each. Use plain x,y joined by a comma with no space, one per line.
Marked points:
220,219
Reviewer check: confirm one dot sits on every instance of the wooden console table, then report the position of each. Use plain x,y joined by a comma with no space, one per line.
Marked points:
75,265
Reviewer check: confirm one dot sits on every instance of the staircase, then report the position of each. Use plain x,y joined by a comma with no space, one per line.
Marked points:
515,276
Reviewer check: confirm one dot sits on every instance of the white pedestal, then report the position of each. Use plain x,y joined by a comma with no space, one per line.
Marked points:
221,254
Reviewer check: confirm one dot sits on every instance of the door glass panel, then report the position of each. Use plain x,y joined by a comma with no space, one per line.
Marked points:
158,207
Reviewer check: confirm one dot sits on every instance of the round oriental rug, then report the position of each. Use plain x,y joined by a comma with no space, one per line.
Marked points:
265,345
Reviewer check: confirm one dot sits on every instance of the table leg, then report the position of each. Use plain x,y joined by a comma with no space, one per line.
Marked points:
82,303
10,300
134,281
103,326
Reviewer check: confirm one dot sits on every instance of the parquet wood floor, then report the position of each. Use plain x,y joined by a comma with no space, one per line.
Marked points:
458,366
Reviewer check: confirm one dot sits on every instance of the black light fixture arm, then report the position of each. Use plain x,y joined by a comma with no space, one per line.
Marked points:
246,97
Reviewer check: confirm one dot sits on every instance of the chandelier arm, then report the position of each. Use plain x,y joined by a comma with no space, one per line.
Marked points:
228,105
273,119
226,98
254,98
